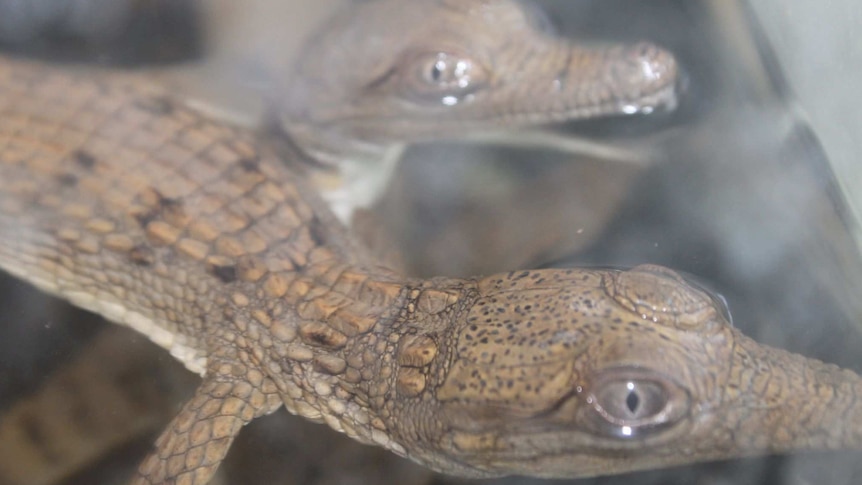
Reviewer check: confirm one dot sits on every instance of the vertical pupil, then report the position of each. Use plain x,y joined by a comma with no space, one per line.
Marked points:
437,70
632,401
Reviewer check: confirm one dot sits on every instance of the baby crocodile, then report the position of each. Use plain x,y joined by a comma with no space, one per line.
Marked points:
140,209
440,69
383,73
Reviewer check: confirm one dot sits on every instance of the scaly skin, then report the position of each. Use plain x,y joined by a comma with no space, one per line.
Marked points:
127,204
383,73
591,83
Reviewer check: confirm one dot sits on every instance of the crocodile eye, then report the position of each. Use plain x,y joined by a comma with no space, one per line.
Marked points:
630,400
442,78
628,403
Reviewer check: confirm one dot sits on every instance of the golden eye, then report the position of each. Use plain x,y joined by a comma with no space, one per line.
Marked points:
442,78
626,403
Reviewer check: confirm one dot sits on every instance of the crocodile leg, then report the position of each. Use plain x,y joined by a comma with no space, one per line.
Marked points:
191,448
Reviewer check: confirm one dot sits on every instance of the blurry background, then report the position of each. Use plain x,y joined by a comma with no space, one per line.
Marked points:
820,52
751,187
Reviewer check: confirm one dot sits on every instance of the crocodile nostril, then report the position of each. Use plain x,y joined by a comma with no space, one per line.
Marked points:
644,79
651,64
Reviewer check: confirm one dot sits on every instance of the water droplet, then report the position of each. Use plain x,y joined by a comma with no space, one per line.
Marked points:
450,100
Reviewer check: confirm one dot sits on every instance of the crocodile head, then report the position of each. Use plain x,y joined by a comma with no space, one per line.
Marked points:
573,373
392,71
